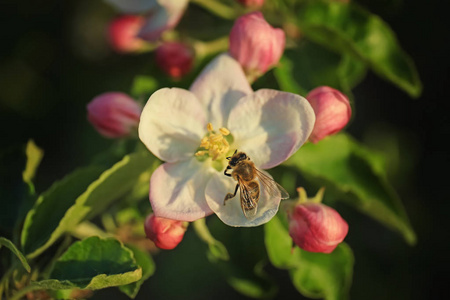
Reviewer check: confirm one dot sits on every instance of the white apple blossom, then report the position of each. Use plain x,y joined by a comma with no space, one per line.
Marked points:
194,131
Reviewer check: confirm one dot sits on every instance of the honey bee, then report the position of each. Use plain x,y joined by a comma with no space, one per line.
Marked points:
251,183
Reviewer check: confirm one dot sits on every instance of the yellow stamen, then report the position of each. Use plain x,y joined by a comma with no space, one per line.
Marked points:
215,138
214,144
200,153
224,131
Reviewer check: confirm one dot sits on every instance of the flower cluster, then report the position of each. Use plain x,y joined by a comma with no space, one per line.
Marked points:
194,131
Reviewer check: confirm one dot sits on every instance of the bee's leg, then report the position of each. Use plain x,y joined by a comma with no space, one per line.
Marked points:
230,195
225,172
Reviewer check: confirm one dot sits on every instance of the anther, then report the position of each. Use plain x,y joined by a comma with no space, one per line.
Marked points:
224,131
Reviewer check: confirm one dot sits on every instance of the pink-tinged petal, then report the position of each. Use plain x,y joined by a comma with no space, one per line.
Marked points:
172,124
165,15
220,85
279,39
231,213
177,190
133,6
270,126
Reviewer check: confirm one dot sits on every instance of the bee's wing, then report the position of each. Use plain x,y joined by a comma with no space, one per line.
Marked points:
248,203
271,186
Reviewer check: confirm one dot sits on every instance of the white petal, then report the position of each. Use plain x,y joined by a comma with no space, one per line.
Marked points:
220,85
165,15
270,126
177,190
133,6
231,213
172,124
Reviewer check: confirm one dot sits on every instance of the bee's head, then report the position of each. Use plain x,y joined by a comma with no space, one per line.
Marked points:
237,157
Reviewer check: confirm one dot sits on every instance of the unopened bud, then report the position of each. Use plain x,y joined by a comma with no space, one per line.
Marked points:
165,233
332,110
175,59
255,44
123,33
316,227
114,114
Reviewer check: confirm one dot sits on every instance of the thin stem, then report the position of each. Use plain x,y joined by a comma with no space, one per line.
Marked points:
88,229
203,232
217,8
216,248
24,291
108,223
67,241
5,281
203,49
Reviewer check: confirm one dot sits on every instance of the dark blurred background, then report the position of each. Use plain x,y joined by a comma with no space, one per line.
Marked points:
55,59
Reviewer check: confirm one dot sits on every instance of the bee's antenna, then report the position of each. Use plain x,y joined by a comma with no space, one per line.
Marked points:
228,158
235,151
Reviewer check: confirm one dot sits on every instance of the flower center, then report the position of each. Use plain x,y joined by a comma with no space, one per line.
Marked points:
214,144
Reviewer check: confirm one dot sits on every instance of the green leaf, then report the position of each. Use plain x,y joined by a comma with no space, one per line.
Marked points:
34,157
321,275
358,176
145,261
143,86
93,264
351,30
71,201
279,244
315,275
8,244
43,220
310,65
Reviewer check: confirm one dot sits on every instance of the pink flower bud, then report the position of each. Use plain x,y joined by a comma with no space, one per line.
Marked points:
165,233
175,59
316,227
123,33
252,3
332,110
114,114
255,44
